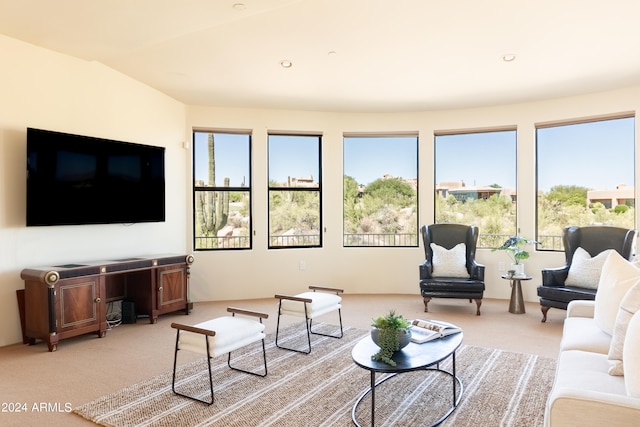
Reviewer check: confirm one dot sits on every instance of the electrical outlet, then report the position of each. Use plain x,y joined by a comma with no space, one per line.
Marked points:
302,265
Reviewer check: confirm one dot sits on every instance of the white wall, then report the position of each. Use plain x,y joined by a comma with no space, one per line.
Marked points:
262,273
44,89
41,88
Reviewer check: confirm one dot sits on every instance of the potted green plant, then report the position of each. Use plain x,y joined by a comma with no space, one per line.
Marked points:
515,247
391,333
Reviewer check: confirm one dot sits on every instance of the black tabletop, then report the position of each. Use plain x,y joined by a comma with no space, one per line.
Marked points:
412,357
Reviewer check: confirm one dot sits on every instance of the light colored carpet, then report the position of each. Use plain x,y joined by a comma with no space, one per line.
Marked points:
320,389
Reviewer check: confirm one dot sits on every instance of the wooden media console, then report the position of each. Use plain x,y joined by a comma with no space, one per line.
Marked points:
68,300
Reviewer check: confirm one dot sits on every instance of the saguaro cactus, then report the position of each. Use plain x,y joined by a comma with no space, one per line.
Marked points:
215,204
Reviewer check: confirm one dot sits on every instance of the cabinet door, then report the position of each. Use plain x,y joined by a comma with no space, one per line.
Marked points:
79,303
172,288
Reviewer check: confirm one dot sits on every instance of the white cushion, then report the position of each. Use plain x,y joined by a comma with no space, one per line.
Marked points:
232,332
586,371
321,303
618,276
584,394
631,357
628,307
449,262
585,270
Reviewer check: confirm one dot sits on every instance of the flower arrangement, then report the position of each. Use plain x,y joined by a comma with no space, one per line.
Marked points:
390,332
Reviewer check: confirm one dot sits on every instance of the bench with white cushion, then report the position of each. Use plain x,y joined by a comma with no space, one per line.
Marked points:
309,305
220,336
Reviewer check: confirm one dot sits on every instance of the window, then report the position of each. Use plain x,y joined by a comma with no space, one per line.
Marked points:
295,201
222,190
585,176
475,176
380,190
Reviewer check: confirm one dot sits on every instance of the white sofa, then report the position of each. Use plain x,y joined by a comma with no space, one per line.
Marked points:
584,393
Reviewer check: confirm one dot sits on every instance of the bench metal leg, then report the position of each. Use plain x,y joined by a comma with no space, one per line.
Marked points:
309,323
175,361
308,331
327,335
264,358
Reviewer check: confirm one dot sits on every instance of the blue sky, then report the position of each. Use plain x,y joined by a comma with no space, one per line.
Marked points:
478,159
228,149
368,159
595,155
293,156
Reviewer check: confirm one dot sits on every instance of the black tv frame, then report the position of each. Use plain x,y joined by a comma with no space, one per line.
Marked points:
77,180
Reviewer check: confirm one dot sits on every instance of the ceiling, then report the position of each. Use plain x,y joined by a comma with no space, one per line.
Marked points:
347,55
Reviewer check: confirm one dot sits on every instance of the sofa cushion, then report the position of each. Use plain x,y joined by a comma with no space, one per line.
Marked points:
628,307
585,270
584,394
618,276
587,371
582,333
631,357
449,262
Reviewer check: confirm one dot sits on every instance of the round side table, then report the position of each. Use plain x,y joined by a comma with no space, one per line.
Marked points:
516,304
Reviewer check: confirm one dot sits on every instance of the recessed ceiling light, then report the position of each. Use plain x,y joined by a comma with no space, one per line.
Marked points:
332,53
508,57
239,6
285,63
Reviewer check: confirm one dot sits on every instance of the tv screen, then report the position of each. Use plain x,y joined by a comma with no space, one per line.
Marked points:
75,179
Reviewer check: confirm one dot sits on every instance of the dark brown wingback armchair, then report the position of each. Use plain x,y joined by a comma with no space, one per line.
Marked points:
448,236
594,240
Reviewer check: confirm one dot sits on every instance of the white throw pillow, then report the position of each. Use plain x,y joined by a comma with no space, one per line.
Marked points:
585,270
631,357
618,276
629,306
449,262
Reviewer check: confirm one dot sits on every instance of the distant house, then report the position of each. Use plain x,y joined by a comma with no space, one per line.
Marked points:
462,193
443,188
301,182
622,195
474,193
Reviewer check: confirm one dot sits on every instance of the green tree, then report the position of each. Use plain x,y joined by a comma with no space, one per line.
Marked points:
620,209
392,191
352,204
386,206
294,210
568,195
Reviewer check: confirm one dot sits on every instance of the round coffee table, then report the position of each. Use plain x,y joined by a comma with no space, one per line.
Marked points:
413,357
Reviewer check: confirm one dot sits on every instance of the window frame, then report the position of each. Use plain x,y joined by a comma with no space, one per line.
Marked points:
557,244
485,240
217,188
387,237
312,189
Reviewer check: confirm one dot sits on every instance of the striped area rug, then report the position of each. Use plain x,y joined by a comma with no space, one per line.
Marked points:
500,389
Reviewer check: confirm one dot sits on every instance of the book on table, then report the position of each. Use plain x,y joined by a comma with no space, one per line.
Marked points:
428,330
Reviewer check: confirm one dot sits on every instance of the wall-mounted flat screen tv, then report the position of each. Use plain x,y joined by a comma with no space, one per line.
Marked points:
75,179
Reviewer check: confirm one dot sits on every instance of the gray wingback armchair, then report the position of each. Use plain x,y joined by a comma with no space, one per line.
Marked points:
448,236
594,239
